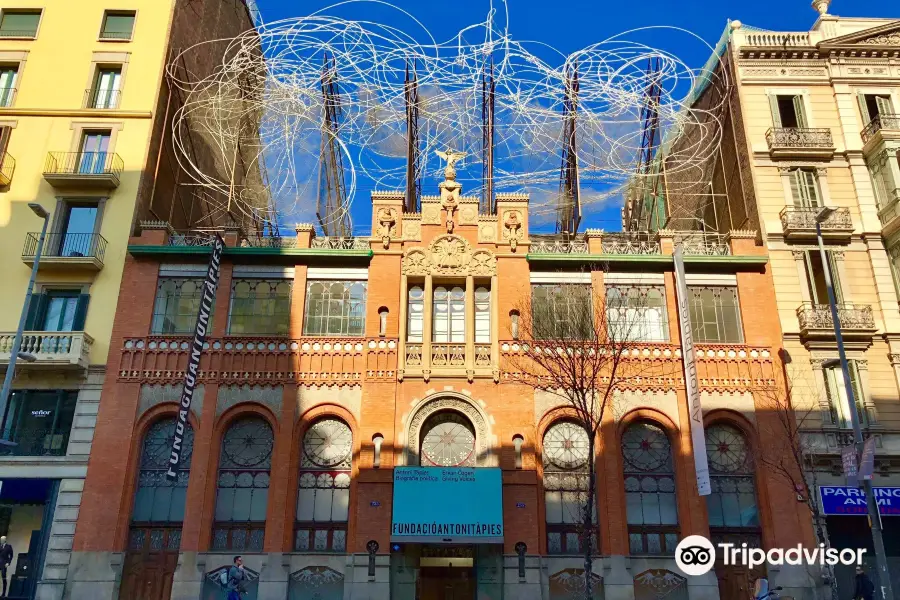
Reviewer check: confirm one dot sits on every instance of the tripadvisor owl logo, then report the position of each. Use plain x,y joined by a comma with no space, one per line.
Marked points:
695,555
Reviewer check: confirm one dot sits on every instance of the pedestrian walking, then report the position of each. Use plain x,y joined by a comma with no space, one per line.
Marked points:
865,589
236,578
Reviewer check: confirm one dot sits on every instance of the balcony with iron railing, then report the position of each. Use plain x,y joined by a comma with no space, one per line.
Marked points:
799,222
82,251
816,322
879,128
7,168
49,349
891,208
800,142
101,99
83,169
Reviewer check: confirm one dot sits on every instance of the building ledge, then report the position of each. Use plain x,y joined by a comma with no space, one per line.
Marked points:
50,349
324,254
737,262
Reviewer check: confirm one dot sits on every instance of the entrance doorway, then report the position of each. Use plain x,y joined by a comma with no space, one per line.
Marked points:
446,583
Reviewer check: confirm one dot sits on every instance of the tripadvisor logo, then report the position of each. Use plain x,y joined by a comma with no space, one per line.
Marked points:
696,555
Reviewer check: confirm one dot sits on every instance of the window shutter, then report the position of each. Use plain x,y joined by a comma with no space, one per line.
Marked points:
810,187
81,312
855,384
884,105
34,306
796,187
798,111
835,280
863,109
776,114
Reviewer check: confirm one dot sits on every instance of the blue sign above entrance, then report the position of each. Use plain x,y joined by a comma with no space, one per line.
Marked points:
844,500
447,505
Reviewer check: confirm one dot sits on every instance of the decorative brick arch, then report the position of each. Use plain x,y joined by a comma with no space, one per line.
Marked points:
454,402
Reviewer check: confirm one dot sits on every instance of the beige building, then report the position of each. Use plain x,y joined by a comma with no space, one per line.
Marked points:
809,119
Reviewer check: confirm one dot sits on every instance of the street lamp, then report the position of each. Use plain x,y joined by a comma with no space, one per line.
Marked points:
17,341
884,577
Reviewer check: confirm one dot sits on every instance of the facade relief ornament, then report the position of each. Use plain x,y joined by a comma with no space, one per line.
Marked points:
450,188
886,39
416,262
512,228
449,255
387,225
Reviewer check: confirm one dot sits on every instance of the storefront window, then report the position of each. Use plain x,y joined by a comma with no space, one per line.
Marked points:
39,422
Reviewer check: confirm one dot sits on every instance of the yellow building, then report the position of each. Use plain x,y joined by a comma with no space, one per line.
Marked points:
85,114
809,119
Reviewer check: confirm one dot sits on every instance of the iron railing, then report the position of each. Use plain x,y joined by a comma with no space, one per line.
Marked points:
116,35
554,245
7,96
66,245
101,99
804,217
853,317
18,33
630,243
699,243
340,243
192,238
799,137
37,442
83,163
7,168
269,242
885,121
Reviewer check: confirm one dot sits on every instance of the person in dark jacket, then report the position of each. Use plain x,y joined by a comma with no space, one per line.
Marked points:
6,558
236,578
865,589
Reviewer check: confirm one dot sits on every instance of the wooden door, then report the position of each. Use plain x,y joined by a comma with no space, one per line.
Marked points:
150,564
446,583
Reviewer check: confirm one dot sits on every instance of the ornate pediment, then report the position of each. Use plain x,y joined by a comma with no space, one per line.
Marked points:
449,255
883,35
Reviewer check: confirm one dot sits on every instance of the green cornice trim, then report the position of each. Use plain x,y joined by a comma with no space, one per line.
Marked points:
305,252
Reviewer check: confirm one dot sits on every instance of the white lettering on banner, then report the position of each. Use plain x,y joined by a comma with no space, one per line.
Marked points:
192,372
698,435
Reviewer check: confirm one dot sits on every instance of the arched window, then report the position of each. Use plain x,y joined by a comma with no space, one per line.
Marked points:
649,490
323,500
566,465
243,485
733,512
448,440
449,320
159,503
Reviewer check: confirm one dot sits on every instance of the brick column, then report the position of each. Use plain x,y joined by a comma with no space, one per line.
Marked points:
281,477
199,505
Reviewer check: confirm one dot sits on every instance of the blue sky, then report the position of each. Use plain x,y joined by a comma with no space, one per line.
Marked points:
574,24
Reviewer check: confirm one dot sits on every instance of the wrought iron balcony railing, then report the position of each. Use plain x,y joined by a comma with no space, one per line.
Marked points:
7,168
37,442
69,167
50,348
269,242
558,246
801,221
101,99
7,96
116,35
699,243
340,243
66,245
629,243
799,138
885,121
192,238
853,317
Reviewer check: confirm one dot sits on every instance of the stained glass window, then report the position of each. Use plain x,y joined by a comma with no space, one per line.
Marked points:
243,485
566,467
715,314
335,308
649,490
637,313
260,307
158,500
323,500
732,504
562,311
177,303
448,440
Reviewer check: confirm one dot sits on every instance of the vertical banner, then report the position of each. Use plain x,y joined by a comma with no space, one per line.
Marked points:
867,464
851,469
191,371
691,382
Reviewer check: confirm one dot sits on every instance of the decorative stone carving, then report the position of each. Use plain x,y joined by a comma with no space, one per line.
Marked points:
885,39
482,263
512,228
153,394
431,214
449,255
412,228
482,444
416,262
232,395
387,224
468,215
450,188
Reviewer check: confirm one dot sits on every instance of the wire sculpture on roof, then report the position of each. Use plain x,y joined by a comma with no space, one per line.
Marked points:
316,110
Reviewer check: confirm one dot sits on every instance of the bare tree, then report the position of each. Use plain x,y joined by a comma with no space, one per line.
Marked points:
578,344
790,415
